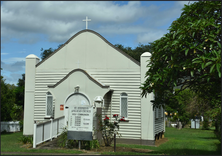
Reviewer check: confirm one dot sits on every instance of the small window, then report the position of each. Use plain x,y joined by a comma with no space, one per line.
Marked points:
161,111
124,105
49,104
156,112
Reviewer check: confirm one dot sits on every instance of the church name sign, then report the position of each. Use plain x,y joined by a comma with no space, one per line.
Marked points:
80,122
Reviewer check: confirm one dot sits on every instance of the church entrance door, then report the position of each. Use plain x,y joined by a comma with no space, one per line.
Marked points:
75,99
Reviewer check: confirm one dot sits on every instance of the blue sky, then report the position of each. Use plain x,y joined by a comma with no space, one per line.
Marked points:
28,26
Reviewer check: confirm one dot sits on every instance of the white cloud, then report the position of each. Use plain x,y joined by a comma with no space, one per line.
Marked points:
181,3
150,36
58,19
4,53
13,60
121,29
13,67
12,78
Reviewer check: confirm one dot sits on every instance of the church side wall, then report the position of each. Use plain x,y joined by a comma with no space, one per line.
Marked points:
128,82
159,123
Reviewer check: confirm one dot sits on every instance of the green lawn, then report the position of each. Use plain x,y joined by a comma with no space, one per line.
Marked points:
10,143
181,142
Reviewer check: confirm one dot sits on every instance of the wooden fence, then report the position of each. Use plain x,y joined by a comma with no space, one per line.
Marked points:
47,130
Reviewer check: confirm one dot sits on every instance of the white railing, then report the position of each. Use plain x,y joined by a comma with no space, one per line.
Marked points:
47,130
10,126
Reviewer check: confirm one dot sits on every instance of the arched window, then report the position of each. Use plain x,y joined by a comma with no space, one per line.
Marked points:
49,105
124,105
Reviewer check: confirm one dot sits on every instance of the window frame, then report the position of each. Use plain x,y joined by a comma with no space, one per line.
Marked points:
156,112
124,96
48,95
161,111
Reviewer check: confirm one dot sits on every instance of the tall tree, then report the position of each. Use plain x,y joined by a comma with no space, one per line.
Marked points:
48,52
7,100
20,91
189,56
136,52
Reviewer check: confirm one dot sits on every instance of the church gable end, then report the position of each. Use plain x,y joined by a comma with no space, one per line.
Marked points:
91,50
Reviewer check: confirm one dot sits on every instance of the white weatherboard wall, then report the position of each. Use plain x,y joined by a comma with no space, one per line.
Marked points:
31,61
128,82
147,114
91,53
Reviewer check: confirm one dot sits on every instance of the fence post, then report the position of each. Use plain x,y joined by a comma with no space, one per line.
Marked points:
51,128
34,135
114,142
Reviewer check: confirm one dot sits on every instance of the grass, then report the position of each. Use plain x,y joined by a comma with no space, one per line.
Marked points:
181,142
10,143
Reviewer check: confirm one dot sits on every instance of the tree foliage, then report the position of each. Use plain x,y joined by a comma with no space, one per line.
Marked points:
7,100
20,91
136,52
179,106
189,56
45,53
12,100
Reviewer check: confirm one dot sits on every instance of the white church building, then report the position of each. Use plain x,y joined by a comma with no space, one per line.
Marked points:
91,64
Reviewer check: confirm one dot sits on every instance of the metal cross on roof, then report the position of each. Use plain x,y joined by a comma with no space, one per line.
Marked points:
78,63
86,20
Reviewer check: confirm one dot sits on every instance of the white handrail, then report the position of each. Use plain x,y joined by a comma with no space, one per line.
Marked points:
44,131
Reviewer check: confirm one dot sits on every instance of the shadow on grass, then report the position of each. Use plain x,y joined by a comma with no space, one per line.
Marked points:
218,147
7,133
187,152
208,138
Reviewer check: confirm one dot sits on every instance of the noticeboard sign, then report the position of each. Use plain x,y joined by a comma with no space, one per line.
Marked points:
80,122
80,118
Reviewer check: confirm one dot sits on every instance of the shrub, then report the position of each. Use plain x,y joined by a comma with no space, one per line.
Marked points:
205,124
95,144
3,132
71,144
63,142
16,112
62,139
108,129
26,139
21,125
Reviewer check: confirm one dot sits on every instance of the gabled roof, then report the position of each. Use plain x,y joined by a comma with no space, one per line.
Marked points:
89,76
91,31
